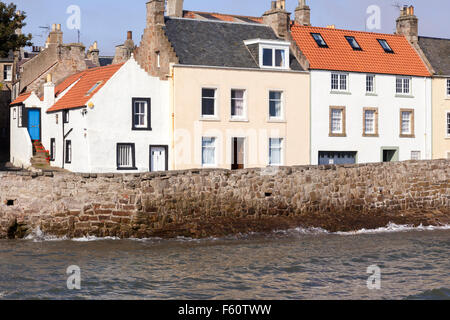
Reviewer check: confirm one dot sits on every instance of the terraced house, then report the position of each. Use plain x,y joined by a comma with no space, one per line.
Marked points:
239,97
370,96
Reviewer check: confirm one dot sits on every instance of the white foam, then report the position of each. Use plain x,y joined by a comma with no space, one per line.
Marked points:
94,238
392,227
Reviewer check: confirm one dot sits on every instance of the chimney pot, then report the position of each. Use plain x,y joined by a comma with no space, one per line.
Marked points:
130,35
54,27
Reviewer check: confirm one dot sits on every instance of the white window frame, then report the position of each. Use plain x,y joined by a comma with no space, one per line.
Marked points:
216,103
244,117
374,131
7,72
339,81
403,87
132,156
145,114
414,153
373,84
410,123
14,114
281,152
281,117
447,124
272,45
210,165
341,121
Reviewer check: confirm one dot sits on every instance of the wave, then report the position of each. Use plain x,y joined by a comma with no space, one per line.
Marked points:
392,227
434,294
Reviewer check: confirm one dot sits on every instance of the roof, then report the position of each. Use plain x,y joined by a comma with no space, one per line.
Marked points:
82,82
8,58
437,51
220,16
372,58
21,98
217,43
105,61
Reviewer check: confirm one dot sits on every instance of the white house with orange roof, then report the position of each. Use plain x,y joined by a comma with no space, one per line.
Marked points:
106,119
370,96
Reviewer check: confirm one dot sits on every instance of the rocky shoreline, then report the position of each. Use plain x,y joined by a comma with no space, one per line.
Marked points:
218,203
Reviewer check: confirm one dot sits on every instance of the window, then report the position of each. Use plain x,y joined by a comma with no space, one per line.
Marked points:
272,57
14,113
353,43
7,72
275,151
406,123
158,59
403,85
385,45
370,122
337,122
448,87
68,151
370,83
238,104
339,82
415,155
52,149
22,120
66,116
276,104
93,88
209,102
141,114
448,124
208,151
126,157
319,40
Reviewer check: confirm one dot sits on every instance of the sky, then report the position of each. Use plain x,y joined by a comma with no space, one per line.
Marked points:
107,21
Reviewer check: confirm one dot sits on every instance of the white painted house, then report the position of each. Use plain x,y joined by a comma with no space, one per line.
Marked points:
370,97
108,119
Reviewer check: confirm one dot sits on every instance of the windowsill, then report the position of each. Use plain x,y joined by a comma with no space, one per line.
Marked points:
398,95
141,129
274,68
275,120
407,135
209,166
209,119
340,92
338,135
371,94
127,169
371,135
239,120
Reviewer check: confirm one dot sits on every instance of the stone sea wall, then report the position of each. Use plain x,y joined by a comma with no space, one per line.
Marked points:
203,203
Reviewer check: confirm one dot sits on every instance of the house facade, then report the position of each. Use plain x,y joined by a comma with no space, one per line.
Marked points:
239,97
370,96
6,82
437,53
106,119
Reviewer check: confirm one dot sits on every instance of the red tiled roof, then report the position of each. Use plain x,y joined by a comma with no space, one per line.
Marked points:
21,98
77,96
222,17
340,56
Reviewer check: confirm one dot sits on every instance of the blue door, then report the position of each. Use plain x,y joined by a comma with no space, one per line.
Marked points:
34,124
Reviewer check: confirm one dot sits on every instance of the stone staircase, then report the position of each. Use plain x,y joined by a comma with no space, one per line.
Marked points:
41,158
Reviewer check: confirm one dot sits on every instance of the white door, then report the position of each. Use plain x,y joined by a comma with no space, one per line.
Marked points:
158,159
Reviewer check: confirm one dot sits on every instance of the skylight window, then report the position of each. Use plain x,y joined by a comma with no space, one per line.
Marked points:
353,43
319,40
93,88
385,45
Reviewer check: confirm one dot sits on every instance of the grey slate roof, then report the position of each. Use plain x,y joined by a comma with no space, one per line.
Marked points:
217,43
437,51
105,61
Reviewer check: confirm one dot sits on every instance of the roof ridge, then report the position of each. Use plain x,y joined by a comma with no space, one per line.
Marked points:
220,21
435,38
222,14
348,30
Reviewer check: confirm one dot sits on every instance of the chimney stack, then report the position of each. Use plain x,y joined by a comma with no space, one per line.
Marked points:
49,92
155,12
303,14
175,8
93,54
408,24
56,35
278,18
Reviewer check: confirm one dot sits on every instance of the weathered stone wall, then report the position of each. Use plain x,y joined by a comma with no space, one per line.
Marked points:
200,203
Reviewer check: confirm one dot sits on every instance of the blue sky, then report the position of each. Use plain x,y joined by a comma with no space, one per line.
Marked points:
107,21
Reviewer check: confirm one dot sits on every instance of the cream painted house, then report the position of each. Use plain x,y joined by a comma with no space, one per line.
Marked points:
437,52
238,96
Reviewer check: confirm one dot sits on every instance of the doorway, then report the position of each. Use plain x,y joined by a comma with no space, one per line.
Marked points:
238,153
159,160
389,154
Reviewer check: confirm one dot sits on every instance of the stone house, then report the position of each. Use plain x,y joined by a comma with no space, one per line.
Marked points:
105,119
370,95
238,95
6,82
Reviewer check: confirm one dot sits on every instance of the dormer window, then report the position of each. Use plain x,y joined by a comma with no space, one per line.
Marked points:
385,45
272,53
319,40
353,43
